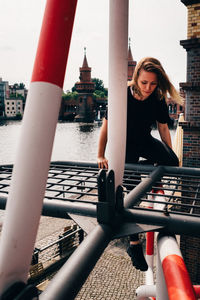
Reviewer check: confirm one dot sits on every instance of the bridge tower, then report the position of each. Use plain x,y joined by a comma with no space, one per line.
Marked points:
190,246
131,63
85,88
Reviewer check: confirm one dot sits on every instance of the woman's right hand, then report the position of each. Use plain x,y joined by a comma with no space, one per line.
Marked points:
102,162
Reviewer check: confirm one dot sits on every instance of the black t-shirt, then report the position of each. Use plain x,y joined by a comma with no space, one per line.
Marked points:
141,115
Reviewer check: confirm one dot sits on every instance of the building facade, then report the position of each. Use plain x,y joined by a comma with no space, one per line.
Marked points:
4,94
190,246
13,108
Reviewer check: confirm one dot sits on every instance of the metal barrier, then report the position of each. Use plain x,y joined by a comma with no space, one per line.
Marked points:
49,258
72,191
172,278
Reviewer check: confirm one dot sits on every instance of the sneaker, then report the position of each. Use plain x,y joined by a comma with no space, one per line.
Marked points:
137,257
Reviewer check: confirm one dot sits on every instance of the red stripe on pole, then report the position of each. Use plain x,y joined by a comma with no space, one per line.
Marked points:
177,279
54,42
197,290
159,192
149,243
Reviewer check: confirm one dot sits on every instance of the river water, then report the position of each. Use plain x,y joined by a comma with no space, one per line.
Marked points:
73,141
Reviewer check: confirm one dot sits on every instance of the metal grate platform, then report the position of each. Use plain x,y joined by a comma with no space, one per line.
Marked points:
76,183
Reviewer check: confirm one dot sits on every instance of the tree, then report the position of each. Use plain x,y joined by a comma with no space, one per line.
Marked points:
99,86
70,95
21,86
99,94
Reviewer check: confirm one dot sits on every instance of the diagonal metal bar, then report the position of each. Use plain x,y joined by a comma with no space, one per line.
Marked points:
144,186
70,278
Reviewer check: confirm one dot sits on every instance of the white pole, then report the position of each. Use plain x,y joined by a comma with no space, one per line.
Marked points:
149,278
117,97
146,292
35,145
161,289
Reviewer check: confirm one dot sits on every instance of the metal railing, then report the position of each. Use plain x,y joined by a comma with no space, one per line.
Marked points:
72,191
49,258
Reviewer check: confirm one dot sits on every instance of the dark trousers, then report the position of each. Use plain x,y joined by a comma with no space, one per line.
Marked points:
154,152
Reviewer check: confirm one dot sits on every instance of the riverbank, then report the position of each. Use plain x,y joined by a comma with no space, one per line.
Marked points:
113,278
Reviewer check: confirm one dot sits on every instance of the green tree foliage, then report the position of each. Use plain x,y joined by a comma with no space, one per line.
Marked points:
99,86
19,86
70,95
99,94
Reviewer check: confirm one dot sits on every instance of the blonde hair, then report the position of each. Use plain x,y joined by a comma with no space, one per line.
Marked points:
164,87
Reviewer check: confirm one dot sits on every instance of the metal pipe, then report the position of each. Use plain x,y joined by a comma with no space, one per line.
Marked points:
143,292
68,281
117,86
87,165
177,278
168,169
36,142
173,223
182,171
144,186
161,289
149,278
60,209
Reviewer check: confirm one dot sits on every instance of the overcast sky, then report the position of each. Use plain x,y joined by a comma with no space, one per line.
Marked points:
155,28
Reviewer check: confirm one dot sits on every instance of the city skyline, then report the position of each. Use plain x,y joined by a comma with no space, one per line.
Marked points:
20,33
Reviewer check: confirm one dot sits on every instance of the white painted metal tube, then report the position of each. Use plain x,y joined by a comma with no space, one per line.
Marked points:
35,145
28,182
177,279
161,289
149,278
145,291
117,97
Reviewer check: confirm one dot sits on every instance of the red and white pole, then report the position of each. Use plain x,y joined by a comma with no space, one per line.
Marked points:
149,278
161,289
197,291
117,86
36,141
177,279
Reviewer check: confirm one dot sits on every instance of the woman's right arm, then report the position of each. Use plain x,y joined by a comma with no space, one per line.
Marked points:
101,160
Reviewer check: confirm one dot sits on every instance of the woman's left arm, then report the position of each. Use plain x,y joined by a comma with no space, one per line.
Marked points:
164,133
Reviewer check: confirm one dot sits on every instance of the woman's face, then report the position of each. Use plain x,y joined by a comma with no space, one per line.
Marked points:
147,82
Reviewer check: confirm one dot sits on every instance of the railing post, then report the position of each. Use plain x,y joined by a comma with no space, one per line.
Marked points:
177,279
161,289
149,251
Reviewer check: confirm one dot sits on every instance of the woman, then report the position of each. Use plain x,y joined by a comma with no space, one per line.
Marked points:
146,104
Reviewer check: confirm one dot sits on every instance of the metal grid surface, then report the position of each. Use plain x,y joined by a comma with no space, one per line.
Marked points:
77,182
